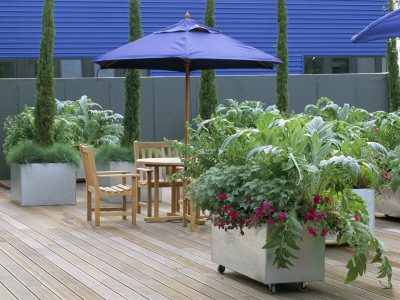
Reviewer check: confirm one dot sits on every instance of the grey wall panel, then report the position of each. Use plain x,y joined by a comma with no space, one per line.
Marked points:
163,98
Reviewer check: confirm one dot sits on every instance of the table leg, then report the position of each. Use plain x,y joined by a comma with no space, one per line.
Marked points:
173,193
156,191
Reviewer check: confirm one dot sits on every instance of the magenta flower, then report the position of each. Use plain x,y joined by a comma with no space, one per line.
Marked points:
327,200
348,212
357,218
317,198
259,211
386,175
283,222
219,195
233,214
379,192
319,217
311,211
227,222
226,208
284,214
324,232
376,130
241,221
273,209
223,196
324,213
270,221
256,217
389,198
267,213
266,205
247,201
248,223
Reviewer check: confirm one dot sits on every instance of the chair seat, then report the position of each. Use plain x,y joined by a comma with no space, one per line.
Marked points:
162,183
116,189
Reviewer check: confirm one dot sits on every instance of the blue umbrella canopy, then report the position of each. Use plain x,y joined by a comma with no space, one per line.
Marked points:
184,47
385,27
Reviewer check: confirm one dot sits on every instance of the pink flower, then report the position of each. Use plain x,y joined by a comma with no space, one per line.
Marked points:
247,201
226,208
248,223
324,232
273,209
311,211
348,212
256,217
241,221
233,214
376,130
357,218
223,196
284,214
267,213
279,216
319,217
324,213
227,222
266,205
215,224
379,192
270,221
219,195
259,210
283,222
389,198
327,200
372,131
317,198
386,175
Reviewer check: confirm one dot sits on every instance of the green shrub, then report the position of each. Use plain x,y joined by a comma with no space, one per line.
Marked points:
114,153
28,152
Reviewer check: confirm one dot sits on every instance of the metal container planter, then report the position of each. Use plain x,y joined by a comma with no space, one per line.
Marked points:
368,195
120,166
244,254
390,206
43,184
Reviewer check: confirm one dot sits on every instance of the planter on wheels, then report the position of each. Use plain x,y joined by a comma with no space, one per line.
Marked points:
244,254
43,184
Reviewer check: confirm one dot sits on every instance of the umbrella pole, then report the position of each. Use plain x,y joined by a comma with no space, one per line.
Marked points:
187,66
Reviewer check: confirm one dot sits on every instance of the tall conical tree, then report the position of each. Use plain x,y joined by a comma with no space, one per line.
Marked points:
208,89
282,94
133,82
393,70
45,107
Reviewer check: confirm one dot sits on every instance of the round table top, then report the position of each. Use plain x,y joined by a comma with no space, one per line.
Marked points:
161,161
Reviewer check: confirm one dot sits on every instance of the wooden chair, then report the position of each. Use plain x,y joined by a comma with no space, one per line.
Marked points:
146,180
92,187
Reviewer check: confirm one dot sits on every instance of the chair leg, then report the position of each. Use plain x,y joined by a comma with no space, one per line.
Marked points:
178,196
97,210
124,206
138,201
192,217
134,199
185,211
89,205
149,204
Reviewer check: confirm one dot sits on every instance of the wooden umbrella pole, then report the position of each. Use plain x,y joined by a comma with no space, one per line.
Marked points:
187,67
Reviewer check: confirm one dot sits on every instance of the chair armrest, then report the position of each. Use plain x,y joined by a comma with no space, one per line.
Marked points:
112,172
144,169
118,175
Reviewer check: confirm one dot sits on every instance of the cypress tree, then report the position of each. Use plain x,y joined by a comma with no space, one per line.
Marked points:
208,90
133,82
393,70
282,94
45,106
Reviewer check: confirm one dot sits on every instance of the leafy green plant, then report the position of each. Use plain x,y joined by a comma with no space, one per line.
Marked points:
291,161
116,153
282,71
28,152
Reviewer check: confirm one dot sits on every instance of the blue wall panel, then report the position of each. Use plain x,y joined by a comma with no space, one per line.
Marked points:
85,29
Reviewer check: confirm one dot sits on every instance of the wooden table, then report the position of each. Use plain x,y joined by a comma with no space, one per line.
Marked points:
156,163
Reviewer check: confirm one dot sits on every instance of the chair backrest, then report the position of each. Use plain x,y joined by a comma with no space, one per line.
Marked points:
89,166
153,150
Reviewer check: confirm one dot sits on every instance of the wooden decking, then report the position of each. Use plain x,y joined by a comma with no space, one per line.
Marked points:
52,252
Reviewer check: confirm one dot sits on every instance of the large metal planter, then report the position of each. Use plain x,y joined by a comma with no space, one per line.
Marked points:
244,254
120,166
43,184
390,206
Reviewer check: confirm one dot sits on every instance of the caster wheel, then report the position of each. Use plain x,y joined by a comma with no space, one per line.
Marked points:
221,269
303,286
272,288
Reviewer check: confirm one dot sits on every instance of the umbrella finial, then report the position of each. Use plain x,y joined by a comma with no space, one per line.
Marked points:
187,16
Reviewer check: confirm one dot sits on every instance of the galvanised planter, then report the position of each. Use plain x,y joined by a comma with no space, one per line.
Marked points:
43,184
244,254
390,206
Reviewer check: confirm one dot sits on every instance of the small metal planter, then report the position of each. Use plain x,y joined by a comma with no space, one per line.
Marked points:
244,254
390,206
43,184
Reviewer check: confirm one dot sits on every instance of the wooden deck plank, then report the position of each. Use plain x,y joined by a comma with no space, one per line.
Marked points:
151,260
